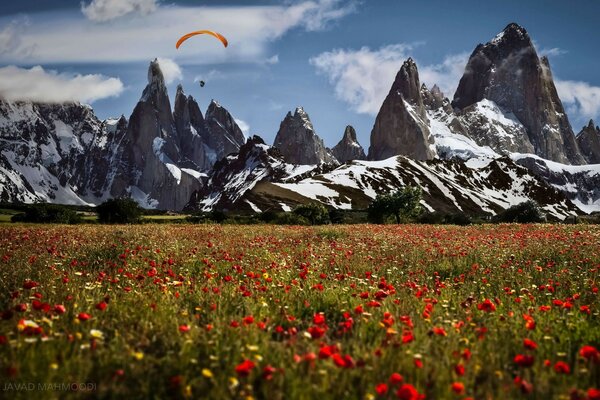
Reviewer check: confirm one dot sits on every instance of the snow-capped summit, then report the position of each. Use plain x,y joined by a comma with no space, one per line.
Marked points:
508,71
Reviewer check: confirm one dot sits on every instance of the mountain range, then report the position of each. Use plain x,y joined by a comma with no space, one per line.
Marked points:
504,138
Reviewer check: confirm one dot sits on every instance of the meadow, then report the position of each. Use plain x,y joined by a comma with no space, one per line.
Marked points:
271,312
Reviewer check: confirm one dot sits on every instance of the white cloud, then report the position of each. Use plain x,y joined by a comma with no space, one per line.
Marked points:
37,84
10,38
66,37
446,75
362,78
243,126
581,99
171,71
552,52
272,60
106,10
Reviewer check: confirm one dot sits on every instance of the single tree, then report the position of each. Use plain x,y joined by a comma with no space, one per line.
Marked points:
403,204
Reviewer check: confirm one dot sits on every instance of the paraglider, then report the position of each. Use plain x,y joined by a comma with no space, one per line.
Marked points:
189,35
201,83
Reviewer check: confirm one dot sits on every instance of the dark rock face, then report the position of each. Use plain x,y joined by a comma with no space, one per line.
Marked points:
298,142
192,133
348,148
149,172
225,136
434,99
508,71
589,143
401,126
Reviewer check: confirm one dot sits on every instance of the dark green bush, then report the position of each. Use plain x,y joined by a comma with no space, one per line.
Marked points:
119,211
47,213
525,212
314,213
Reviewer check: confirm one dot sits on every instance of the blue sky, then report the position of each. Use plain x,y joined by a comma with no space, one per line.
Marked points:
335,58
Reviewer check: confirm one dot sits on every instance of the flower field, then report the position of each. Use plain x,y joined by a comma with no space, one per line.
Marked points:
271,312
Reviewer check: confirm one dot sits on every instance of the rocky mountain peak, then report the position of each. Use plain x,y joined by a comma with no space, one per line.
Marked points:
348,148
589,142
298,142
407,84
225,134
401,126
349,134
514,36
508,72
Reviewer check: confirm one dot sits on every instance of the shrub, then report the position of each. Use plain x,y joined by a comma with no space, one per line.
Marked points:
525,212
47,213
288,218
314,213
119,211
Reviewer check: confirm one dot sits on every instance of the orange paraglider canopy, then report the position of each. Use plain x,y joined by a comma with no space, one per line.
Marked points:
189,35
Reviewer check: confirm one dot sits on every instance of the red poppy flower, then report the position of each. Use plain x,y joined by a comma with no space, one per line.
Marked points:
101,306
84,316
529,344
319,319
407,392
487,305
458,387
459,369
396,378
381,389
29,284
184,328
593,394
590,353
523,360
244,368
268,372
59,309
316,332
562,367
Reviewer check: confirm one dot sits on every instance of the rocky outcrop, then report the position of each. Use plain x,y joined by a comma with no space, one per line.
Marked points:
434,99
192,133
225,136
401,126
298,142
348,148
508,72
589,143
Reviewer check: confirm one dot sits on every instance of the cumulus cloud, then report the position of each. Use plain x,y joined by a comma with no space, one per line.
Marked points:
446,75
581,99
106,10
37,84
250,30
362,78
171,71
